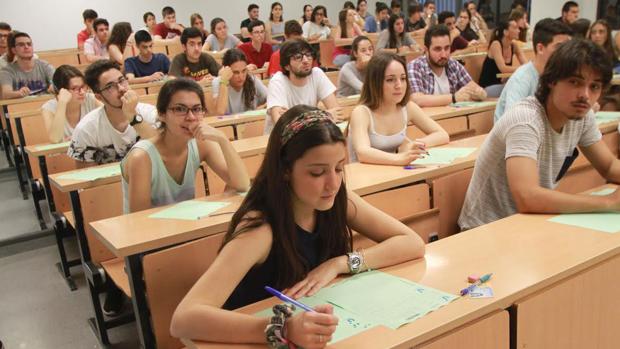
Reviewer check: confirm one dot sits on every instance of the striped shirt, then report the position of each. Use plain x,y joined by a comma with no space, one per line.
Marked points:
422,79
523,131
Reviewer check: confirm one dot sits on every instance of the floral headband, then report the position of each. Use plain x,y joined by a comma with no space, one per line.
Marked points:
305,120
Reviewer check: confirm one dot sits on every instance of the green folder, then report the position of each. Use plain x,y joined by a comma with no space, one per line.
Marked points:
443,156
93,173
191,210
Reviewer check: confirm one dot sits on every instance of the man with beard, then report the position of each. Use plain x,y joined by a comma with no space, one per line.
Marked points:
26,75
107,133
298,83
438,80
534,143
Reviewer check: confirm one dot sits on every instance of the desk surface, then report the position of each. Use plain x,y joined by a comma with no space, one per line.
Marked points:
446,112
29,99
515,249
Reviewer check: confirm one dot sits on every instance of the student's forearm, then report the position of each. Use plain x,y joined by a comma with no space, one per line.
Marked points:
372,155
431,100
543,200
142,80
6,94
237,174
222,100
435,138
395,250
57,128
613,173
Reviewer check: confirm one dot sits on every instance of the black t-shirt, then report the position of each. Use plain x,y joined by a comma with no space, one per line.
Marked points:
413,26
245,24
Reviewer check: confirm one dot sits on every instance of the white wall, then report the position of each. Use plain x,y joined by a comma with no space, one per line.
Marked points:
54,24
553,8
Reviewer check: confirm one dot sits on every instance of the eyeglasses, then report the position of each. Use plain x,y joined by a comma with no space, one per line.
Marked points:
114,85
300,56
4,36
183,110
78,89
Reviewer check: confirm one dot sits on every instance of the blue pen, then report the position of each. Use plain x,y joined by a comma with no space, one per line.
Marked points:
287,299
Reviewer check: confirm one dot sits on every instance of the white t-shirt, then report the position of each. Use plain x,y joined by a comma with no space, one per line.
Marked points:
96,140
311,28
236,104
90,103
282,93
442,84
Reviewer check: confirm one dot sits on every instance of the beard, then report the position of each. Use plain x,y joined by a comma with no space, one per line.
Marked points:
437,64
300,74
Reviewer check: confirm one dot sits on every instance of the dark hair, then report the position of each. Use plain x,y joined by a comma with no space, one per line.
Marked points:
359,2
89,14
372,90
428,2
546,29
435,31
190,33
393,38
348,5
63,75
142,36
271,197
394,3
100,21
194,17
248,93
414,8
167,11
498,32
607,46
289,48
568,59
146,15
380,6
467,3
252,6
271,13
4,26
119,35
292,27
173,86
567,5
256,23
441,18
94,71
214,22
355,45
342,20
581,28
303,16
315,10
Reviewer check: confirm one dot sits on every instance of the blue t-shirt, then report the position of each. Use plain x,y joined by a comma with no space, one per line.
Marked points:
370,25
523,83
159,63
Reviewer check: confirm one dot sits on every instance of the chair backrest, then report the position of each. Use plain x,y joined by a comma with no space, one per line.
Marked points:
217,186
251,129
326,52
448,195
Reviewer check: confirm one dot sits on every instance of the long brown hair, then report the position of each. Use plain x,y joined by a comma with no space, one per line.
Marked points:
119,35
271,197
608,45
342,20
372,91
249,90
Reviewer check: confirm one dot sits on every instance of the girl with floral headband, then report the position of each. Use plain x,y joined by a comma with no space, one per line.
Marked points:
293,232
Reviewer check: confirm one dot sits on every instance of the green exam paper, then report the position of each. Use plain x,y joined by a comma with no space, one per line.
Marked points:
443,156
189,210
471,104
608,222
93,173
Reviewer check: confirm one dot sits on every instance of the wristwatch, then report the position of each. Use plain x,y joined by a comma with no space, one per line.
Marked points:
355,262
136,120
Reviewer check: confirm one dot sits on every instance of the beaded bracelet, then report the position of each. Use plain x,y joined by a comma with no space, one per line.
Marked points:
275,331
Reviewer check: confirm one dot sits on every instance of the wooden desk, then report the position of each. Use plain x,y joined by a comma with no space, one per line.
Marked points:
542,273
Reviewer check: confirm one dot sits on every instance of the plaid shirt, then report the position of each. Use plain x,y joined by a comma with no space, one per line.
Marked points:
422,79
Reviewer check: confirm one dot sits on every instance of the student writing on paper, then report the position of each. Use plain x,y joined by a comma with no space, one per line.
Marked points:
161,170
292,232
533,145
72,102
378,127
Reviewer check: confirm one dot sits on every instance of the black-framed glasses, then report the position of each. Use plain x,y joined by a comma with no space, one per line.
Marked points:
183,110
300,56
114,85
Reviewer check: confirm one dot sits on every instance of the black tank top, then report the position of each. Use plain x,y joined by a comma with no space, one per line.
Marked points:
490,70
251,288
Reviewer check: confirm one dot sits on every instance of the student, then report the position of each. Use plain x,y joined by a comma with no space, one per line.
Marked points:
219,40
197,22
161,170
89,17
95,48
379,21
107,133
169,29
499,59
395,8
600,34
457,41
570,12
117,44
430,17
193,63
252,16
394,38
149,23
72,102
316,28
415,23
520,17
298,83
378,126
257,51
292,31
348,5
25,75
533,145
351,76
146,66
548,35
5,30
307,14
292,232
236,90
580,28
274,29
477,21
344,35
435,78
463,24
362,9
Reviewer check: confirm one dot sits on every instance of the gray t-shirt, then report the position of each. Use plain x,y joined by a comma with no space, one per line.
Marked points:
384,40
37,80
231,42
350,80
235,99
523,131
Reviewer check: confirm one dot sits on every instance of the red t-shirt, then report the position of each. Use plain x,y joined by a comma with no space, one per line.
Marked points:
82,36
165,32
274,64
255,57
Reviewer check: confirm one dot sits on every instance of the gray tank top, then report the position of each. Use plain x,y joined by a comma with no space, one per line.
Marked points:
388,144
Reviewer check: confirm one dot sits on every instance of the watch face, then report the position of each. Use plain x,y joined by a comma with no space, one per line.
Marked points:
355,262
138,118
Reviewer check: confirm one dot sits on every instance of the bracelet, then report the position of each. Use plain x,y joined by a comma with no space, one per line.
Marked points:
224,82
275,331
